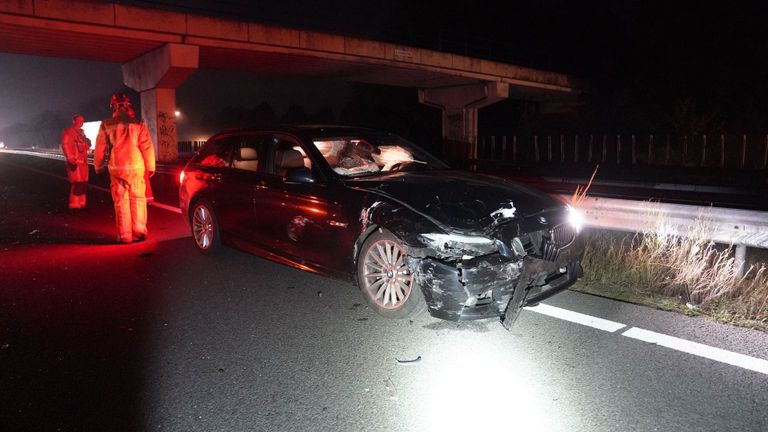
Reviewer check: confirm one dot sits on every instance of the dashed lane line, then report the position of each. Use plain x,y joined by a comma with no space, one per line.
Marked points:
578,318
699,350
671,342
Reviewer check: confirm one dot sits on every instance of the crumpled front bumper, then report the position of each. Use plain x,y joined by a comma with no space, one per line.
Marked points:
482,287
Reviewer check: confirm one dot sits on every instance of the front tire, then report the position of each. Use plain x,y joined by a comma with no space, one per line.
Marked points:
385,279
205,227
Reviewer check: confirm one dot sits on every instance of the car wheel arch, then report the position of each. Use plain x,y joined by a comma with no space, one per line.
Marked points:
359,244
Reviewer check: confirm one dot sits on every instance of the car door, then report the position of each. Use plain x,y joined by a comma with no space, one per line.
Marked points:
298,217
234,202
211,165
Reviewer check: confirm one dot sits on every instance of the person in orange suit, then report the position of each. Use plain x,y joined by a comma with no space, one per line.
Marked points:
75,146
125,149
148,193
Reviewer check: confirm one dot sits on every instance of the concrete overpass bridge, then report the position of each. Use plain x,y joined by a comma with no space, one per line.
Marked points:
159,49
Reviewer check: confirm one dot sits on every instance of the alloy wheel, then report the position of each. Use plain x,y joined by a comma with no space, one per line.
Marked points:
386,276
202,227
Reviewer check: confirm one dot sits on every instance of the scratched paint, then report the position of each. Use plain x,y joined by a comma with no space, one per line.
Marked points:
295,228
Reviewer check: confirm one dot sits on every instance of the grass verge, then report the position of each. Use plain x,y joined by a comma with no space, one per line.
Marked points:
681,273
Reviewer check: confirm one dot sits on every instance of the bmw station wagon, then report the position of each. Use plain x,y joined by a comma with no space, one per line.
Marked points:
372,208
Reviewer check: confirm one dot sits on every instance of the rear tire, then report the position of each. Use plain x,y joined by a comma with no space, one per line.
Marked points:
205,227
385,279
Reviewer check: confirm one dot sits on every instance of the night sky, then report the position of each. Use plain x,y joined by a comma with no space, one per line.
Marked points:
663,67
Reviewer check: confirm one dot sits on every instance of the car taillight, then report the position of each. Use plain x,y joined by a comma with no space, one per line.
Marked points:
181,177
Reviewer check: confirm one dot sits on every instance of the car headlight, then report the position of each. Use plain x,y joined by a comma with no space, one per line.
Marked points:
575,218
460,245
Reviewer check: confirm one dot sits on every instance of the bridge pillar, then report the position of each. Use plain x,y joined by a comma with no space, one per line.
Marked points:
156,75
459,105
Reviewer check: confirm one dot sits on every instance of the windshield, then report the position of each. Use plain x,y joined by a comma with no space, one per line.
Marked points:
369,153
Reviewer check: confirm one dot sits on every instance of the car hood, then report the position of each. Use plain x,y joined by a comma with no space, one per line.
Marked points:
458,200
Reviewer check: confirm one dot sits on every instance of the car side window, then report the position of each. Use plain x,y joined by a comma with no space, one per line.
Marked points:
216,153
287,154
249,152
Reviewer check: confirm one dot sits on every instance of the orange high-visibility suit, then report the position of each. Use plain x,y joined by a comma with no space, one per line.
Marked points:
126,149
75,146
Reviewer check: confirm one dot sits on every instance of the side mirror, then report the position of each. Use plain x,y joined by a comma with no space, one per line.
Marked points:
299,175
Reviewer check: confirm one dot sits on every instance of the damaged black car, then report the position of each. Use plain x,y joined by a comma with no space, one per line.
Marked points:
373,208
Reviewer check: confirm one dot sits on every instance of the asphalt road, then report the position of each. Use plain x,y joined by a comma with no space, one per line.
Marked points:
155,336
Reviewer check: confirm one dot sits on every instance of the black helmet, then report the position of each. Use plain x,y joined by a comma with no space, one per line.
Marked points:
118,101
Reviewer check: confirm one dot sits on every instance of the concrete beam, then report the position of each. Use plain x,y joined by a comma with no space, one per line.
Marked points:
165,67
156,75
459,105
106,31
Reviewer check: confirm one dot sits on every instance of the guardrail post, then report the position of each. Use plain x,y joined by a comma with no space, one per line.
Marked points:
504,147
618,149
650,150
722,151
669,150
493,147
743,150
562,149
549,148
536,146
514,148
703,150
740,259
765,159
605,146
634,150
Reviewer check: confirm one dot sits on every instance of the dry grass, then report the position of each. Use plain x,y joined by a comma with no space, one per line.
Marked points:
686,268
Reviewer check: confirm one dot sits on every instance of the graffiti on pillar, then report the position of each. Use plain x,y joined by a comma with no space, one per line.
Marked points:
456,142
166,136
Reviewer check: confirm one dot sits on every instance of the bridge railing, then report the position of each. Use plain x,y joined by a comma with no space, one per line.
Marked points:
740,151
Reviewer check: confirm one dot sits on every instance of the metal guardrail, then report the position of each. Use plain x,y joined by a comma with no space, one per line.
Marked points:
740,228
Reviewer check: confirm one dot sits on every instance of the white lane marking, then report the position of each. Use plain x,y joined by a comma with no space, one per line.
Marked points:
103,189
578,318
700,350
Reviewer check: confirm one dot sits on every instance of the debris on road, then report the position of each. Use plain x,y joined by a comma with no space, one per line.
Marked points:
33,232
319,293
409,362
391,389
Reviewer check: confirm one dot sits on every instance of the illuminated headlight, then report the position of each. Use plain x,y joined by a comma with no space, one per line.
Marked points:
575,218
455,244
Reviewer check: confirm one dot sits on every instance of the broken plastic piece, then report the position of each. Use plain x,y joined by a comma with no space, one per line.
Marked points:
409,362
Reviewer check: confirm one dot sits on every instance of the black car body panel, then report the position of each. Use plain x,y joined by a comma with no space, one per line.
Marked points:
321,225
461,200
